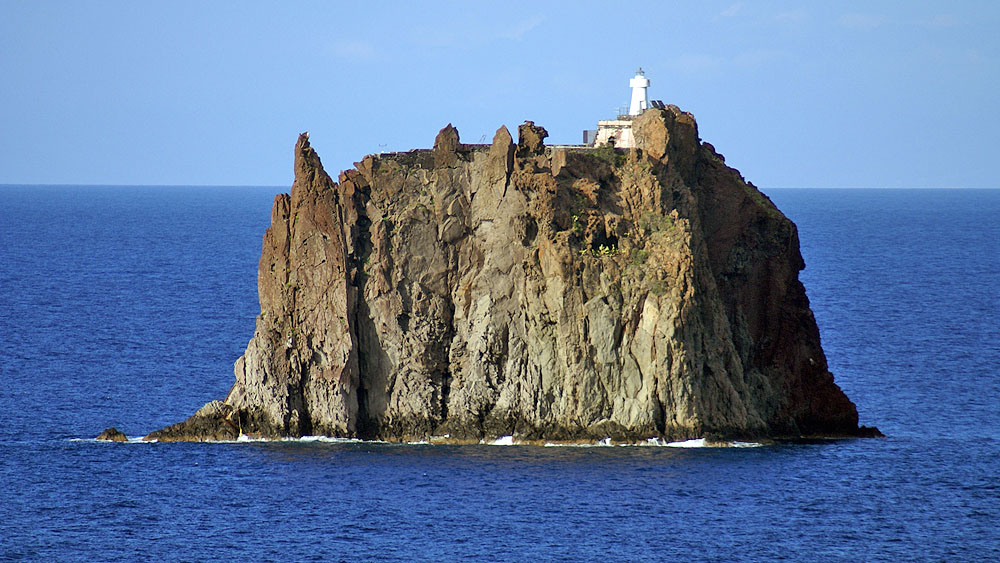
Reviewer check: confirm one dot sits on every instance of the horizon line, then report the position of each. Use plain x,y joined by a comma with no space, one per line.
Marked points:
5,185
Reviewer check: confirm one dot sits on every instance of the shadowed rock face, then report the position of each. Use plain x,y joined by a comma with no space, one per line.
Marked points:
566,295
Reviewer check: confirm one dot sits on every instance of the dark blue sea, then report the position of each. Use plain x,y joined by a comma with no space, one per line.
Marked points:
127,306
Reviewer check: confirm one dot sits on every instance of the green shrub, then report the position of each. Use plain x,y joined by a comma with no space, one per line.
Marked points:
639,256
608,154
654,222
659,287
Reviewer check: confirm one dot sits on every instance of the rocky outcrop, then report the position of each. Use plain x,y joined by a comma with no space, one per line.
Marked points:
216,421
472,292
112,435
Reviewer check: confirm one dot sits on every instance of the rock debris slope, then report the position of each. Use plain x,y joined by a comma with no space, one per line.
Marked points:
470,292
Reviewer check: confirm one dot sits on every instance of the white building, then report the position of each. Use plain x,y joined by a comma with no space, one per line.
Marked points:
615,131
640,99
619,131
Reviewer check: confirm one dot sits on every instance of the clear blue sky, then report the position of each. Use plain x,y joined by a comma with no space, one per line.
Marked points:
795,94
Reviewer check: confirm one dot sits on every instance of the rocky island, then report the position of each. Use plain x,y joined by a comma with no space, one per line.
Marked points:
470,292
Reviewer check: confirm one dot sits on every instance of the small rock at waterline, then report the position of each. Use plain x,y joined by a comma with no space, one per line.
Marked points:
112,435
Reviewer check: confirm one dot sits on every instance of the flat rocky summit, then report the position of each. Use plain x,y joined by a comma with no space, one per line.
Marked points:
472,292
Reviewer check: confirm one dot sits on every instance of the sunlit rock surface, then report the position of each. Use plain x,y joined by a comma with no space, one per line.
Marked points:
472,292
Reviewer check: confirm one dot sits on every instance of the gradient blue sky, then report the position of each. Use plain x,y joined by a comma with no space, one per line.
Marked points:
794,94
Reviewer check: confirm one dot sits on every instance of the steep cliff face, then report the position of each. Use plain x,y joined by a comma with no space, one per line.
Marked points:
480,291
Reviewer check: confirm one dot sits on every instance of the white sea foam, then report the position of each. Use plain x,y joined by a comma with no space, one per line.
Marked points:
503,441
695,443
325,439
131,440
244,439
605,443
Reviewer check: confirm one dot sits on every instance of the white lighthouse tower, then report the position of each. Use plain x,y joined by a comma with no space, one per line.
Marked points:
640,99
618,132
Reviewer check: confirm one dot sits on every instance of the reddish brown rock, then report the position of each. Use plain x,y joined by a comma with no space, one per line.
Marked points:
446,147
530,139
